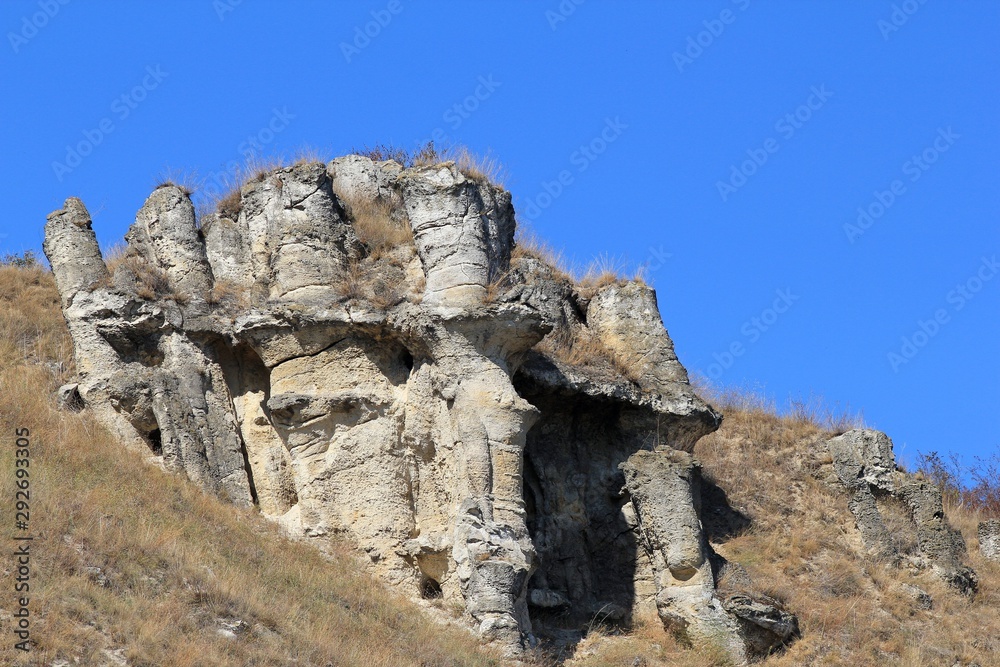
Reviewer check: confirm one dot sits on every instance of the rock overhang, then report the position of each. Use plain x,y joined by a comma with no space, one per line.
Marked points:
434,428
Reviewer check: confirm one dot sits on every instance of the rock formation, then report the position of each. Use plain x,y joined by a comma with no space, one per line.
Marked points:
989,539
362,348
864,463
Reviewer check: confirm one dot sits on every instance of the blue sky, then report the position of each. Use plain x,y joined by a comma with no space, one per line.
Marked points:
811,186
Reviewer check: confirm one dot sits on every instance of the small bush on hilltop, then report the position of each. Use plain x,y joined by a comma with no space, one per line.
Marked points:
22,261
981,493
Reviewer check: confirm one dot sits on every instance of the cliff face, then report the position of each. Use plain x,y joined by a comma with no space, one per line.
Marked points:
364,349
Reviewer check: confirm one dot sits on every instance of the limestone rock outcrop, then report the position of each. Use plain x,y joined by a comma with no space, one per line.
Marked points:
664,487
481,428
863,462
989,538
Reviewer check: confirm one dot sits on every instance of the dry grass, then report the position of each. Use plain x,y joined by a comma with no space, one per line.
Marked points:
585,350
308,155
377,282
114,256
230,296
230,204
499,285
528,245
32,328
573,346
187,181
604,270
484,168
127,557
374,224
150,282
804,550
171,183
480,168
386,152
645,644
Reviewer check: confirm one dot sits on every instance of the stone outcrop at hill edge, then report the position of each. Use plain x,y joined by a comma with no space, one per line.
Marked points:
989,538
410,396
863,462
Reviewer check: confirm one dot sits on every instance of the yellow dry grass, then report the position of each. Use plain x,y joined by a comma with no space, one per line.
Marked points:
230,297
482,168
583,349
374,224
174,564
804,550
528,245
114,256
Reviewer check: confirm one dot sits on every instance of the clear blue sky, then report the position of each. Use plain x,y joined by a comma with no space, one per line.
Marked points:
727,145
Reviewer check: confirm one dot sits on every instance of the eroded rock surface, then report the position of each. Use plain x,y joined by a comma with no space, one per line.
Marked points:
413,396
664,487
989,539
864,463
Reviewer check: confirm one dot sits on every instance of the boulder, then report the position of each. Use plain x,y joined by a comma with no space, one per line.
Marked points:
863,462
989,539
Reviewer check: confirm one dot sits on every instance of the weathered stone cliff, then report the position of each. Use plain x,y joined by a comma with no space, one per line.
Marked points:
863,462
364,349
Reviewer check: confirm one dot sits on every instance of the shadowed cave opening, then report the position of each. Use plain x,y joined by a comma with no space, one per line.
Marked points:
587,554
407,358
155,442
246,375
429,588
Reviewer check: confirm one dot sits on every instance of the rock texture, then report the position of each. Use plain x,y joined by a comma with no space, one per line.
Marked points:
864,463
989,539
484,430
664,487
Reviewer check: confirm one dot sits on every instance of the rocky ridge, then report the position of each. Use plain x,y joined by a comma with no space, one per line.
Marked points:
362,348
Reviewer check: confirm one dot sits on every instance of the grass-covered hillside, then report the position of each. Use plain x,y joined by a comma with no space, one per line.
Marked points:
133,566
801,547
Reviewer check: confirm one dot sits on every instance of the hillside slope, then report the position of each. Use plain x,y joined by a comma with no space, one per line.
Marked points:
799,544
131,565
